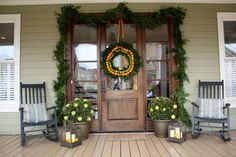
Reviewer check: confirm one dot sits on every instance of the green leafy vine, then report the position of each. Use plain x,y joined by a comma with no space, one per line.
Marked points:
153,20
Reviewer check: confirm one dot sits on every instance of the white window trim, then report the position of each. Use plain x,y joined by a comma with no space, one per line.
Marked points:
221,17
12,106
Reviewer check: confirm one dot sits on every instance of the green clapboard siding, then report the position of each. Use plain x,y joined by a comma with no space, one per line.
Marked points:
39,35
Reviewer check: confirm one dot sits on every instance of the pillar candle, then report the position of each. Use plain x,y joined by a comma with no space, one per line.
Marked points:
172,133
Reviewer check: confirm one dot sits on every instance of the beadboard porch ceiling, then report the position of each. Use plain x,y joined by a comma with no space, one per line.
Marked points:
37,2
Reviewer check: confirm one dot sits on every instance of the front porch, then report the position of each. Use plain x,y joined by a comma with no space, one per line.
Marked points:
101,145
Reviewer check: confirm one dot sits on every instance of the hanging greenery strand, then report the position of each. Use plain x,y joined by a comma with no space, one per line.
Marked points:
153,20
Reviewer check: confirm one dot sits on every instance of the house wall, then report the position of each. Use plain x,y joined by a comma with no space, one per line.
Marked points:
39,35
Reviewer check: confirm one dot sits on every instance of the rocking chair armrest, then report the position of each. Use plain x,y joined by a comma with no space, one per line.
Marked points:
195,104
21,109
53,107
227,105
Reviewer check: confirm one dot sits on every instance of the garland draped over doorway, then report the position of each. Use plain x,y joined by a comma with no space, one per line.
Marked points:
153,20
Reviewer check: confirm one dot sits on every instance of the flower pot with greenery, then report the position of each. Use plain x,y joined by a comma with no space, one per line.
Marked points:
161,111
79,112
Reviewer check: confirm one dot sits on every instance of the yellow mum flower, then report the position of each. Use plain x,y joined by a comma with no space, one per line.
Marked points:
65,118
79,119
157,107
172,116
174,106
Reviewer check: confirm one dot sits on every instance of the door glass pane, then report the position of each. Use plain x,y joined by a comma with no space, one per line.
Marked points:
156,70
157,88
86,71
86,52
86,90
156,51
6,41
129,32
130,36
85,63
157,61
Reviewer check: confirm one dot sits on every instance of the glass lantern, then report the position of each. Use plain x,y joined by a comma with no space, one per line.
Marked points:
70,136
176,132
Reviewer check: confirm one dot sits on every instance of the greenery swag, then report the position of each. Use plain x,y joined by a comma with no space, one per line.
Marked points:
153,20
124,49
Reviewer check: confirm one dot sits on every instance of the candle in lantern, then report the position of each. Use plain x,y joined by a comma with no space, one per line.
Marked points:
68,136
73,138
172,133
177,133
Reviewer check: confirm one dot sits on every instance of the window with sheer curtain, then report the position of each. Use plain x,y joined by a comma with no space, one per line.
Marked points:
9,62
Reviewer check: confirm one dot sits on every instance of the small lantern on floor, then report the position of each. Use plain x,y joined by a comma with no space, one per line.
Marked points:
176,132
70,136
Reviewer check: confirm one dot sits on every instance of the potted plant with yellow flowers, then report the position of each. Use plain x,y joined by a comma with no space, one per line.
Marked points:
162,110
79,112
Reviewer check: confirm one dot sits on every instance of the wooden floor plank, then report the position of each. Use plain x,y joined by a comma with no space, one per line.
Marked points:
143,149
80,149
90,148
134,151
186,146
11,147
19,148
53,150
6,142
99,146
30,147
107,149
125,151
204,146
151,147
115,152
180,150
46,148
160,148
172,151
220,146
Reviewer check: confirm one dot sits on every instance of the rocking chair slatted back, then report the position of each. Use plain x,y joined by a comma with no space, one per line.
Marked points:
211,90
33,93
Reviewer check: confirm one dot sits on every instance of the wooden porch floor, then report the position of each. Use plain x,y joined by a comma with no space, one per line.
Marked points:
101,146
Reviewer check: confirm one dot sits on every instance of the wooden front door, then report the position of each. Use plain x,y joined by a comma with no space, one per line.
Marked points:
122,101
119,105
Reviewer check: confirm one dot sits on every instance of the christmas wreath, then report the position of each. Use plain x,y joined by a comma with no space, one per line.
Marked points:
124,49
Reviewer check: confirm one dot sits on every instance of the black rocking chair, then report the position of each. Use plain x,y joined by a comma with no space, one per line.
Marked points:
209,112
34,112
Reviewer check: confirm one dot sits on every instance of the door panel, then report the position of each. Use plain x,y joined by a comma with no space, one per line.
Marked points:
121,109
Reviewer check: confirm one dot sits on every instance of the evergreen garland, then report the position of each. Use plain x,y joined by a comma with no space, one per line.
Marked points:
153,20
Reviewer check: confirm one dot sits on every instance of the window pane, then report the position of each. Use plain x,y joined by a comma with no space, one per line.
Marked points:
86,71
156,70
86,90
230,38
6,41
230,78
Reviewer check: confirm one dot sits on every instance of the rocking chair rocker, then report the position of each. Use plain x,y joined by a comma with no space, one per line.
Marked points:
211,110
